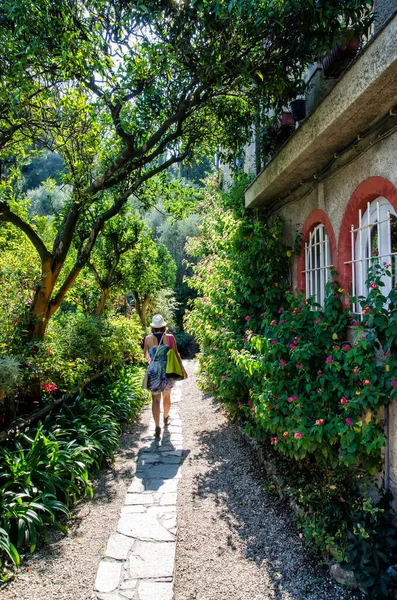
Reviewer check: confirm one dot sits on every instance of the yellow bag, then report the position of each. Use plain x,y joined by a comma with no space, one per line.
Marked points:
173,369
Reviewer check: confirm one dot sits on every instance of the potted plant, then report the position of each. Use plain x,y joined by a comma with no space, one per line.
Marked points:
298,109
344,50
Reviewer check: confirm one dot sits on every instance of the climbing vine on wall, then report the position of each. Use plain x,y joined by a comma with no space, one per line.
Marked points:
300,377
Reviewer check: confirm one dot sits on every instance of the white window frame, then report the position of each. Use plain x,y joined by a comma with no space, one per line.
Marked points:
318,264
378,214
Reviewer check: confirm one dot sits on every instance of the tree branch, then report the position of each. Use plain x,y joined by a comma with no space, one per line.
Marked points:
7,215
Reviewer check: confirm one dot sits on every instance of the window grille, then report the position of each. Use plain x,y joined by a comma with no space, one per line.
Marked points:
318,262
373,242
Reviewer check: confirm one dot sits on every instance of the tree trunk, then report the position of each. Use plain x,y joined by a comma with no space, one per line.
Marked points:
40,310
141,307
145,305
104,297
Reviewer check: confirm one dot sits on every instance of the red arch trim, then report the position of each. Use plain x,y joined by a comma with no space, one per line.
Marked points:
316,217
367,191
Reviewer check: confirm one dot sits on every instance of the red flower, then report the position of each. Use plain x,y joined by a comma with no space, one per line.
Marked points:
349,421
50,387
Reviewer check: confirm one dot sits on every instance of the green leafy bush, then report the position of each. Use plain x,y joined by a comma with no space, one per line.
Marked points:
46,469
286,369
78,346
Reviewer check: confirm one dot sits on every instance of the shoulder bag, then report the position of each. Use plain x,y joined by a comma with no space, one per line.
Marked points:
145,380
173,369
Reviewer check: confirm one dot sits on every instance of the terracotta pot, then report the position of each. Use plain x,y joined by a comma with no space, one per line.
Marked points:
341,54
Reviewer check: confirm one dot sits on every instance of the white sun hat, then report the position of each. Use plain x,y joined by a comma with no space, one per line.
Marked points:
157,322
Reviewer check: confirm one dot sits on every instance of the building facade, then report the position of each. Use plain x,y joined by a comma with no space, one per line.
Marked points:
335,180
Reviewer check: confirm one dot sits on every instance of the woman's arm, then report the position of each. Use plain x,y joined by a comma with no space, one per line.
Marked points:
175,347
146,349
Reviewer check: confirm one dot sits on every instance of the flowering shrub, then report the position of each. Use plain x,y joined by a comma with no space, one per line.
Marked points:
303,381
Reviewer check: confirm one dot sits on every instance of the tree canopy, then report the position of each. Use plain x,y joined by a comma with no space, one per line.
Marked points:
123,90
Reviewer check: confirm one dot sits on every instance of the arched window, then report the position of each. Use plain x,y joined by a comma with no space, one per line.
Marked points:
318,263
373,242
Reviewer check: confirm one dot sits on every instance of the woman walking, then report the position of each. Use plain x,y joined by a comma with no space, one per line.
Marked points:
156,347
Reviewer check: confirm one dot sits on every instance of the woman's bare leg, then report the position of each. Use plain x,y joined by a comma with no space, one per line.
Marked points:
156,408
166,403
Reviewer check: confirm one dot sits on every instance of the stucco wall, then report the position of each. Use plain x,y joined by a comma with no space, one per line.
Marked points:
332,196
383,9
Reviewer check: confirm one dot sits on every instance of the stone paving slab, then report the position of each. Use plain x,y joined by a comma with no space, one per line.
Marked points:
138,562
151,560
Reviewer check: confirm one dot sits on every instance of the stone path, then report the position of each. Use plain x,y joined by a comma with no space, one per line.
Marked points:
139,558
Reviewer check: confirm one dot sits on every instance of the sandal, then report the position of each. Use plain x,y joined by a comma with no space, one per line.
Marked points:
166,421
157,432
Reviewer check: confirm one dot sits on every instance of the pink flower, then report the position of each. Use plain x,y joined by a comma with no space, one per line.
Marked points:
355,370
285,434
329,359
248,317
250,331
212,387
272,323
50,352
349,421
50,387
317,321
299,365
343,401
319,372
373,286
320,391
366,310
264,314
223,329
296,340
282,321
274,441
347,347
354,323
366,382
292,398
320,422
245,339
280,310
270,407
224,377
239,405
253,409
282,362
393,383
298,435
249,402
218,316
274,342
292,346
296,311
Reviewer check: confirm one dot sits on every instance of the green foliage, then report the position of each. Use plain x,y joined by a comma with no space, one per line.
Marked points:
10,375
45,470
78,346
285,368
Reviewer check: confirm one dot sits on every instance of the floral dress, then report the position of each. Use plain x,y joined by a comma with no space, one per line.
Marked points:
158,381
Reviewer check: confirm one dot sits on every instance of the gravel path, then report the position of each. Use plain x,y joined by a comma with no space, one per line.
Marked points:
233,542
